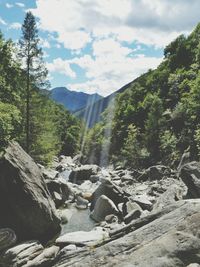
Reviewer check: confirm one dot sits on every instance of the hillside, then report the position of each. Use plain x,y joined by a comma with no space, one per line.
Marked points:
72,100
156,117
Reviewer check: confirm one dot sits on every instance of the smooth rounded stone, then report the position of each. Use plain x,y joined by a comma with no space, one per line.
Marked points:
71,247
19,255
104,206
134,214
7,238
82,173
45,258
83,238
81,203
30,210
110,190
111,218
193,265
87,196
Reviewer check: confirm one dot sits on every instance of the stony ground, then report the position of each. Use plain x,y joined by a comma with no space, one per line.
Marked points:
84,215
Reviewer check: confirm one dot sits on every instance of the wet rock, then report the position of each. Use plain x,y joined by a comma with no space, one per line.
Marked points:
49,173
82,173
82,238
29,211
7,238
21,254
103,207
190,175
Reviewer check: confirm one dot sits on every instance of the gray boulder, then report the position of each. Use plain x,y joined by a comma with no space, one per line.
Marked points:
103,207
111,191
190,175
82,173
25,202
164,239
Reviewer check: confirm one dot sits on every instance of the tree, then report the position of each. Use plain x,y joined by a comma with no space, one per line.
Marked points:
34,68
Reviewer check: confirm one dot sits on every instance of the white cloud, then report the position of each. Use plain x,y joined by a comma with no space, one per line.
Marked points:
9,5
2,21
61,66
111,66
15,26
19,4
44,43
151,22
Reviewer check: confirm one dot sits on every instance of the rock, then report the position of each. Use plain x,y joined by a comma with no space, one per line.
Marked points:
29,211
168,238
111,218
155,173
21,254
81,203
172,194
132,215
193,265
82,238
111,191
59,190
184,160
130,206
7,238
65,215
45,258
190,175
49,173
104,206
80,174
143,201
68,248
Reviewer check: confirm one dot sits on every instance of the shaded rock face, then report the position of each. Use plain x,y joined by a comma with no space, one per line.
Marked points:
25,203
190,174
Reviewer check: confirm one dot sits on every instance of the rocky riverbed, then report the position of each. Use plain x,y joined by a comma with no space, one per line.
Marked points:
82,215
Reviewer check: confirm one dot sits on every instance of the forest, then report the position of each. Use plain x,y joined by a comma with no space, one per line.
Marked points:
154,120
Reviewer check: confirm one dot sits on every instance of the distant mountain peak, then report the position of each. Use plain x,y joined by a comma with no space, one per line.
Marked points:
73,100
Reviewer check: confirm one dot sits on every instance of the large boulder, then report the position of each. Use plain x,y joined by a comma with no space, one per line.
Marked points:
164,239
190,174
82,173
103,207
25,202
110,190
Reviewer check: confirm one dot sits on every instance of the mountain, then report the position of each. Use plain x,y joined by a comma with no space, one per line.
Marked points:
72,100
92,112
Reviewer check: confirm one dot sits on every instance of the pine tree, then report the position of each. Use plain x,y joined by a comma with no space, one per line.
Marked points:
36,73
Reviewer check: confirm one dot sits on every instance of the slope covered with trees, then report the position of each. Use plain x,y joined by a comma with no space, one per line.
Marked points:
158,116
41,126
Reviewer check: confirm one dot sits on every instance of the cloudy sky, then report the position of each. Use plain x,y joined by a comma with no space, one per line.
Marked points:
100,45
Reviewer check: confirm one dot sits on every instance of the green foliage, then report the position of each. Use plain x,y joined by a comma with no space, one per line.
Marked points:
157,116
10,119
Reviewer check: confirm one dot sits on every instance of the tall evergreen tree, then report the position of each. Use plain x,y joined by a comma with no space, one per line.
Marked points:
34,68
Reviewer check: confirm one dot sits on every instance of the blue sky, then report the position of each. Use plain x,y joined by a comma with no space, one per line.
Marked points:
100,45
